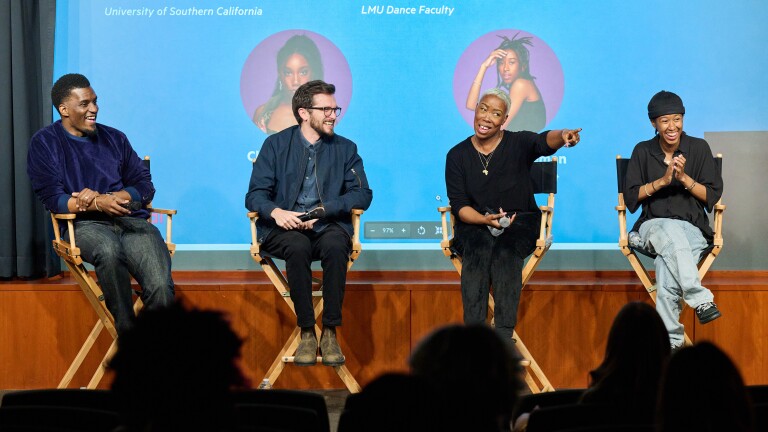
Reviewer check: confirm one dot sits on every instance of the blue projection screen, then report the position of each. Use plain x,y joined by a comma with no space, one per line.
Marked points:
189,82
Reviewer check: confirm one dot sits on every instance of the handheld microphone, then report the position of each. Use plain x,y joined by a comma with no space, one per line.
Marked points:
132,205
315,213
504,222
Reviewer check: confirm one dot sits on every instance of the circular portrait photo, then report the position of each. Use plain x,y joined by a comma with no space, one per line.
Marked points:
279,65
516,62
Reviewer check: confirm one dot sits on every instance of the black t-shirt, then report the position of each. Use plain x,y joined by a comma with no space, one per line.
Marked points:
508,183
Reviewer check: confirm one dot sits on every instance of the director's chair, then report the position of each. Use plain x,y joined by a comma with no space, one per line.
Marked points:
280,283
544,180
707,256
67,249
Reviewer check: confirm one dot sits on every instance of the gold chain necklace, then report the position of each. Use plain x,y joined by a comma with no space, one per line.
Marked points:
486,160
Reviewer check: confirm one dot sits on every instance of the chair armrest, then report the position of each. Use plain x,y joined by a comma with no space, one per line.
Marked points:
356,213
253,217
357,247
719,210
162,211
621,210
546,209
65,249
446,219
168,226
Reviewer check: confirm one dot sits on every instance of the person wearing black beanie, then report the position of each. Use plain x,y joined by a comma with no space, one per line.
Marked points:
674,179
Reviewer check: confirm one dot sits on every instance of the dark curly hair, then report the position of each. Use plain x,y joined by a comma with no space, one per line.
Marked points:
64,86
304,94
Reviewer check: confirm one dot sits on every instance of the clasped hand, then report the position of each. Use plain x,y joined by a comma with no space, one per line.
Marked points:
109,204
675,169
289,220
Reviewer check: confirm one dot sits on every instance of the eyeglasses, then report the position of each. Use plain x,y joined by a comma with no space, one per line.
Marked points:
327,110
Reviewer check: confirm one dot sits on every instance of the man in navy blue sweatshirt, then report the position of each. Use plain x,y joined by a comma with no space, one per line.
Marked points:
79,166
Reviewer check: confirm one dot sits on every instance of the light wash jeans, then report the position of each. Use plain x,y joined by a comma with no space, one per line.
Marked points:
678,245
120,248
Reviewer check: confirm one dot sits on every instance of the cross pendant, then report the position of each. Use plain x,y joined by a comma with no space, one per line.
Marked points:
485,171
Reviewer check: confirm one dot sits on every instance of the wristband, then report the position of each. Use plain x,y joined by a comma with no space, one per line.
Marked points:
692,185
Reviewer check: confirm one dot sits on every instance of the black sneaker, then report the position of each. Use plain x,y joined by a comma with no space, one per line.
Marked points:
707,312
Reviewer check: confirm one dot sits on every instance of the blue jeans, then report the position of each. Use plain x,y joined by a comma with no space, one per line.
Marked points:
678,245
120,248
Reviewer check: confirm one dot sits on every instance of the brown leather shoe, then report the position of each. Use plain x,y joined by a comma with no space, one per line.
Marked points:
330,349
306,353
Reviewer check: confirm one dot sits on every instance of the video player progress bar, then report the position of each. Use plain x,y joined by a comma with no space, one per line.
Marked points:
403,230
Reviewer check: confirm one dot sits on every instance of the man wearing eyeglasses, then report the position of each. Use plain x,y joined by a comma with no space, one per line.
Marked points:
305,182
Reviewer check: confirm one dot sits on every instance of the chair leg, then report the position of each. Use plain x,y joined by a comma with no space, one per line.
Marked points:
533,369
85,350
102,368
80,357
279,363
348,379
289,348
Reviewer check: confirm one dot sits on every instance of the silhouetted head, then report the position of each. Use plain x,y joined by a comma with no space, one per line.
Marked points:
175,367
703,390
635,355
473,369
393,402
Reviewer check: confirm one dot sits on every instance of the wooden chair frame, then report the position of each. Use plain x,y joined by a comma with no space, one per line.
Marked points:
535,378
278,279
649,283
67,249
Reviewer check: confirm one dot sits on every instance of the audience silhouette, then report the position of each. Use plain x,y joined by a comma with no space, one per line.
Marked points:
702,390
629,376
393,402
174,370
476,376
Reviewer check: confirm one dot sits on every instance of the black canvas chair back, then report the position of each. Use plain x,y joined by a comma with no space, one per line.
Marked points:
544,177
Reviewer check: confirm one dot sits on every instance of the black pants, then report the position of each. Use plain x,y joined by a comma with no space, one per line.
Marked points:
331,246
495,261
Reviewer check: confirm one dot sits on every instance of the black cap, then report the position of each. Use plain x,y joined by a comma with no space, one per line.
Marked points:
663,103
